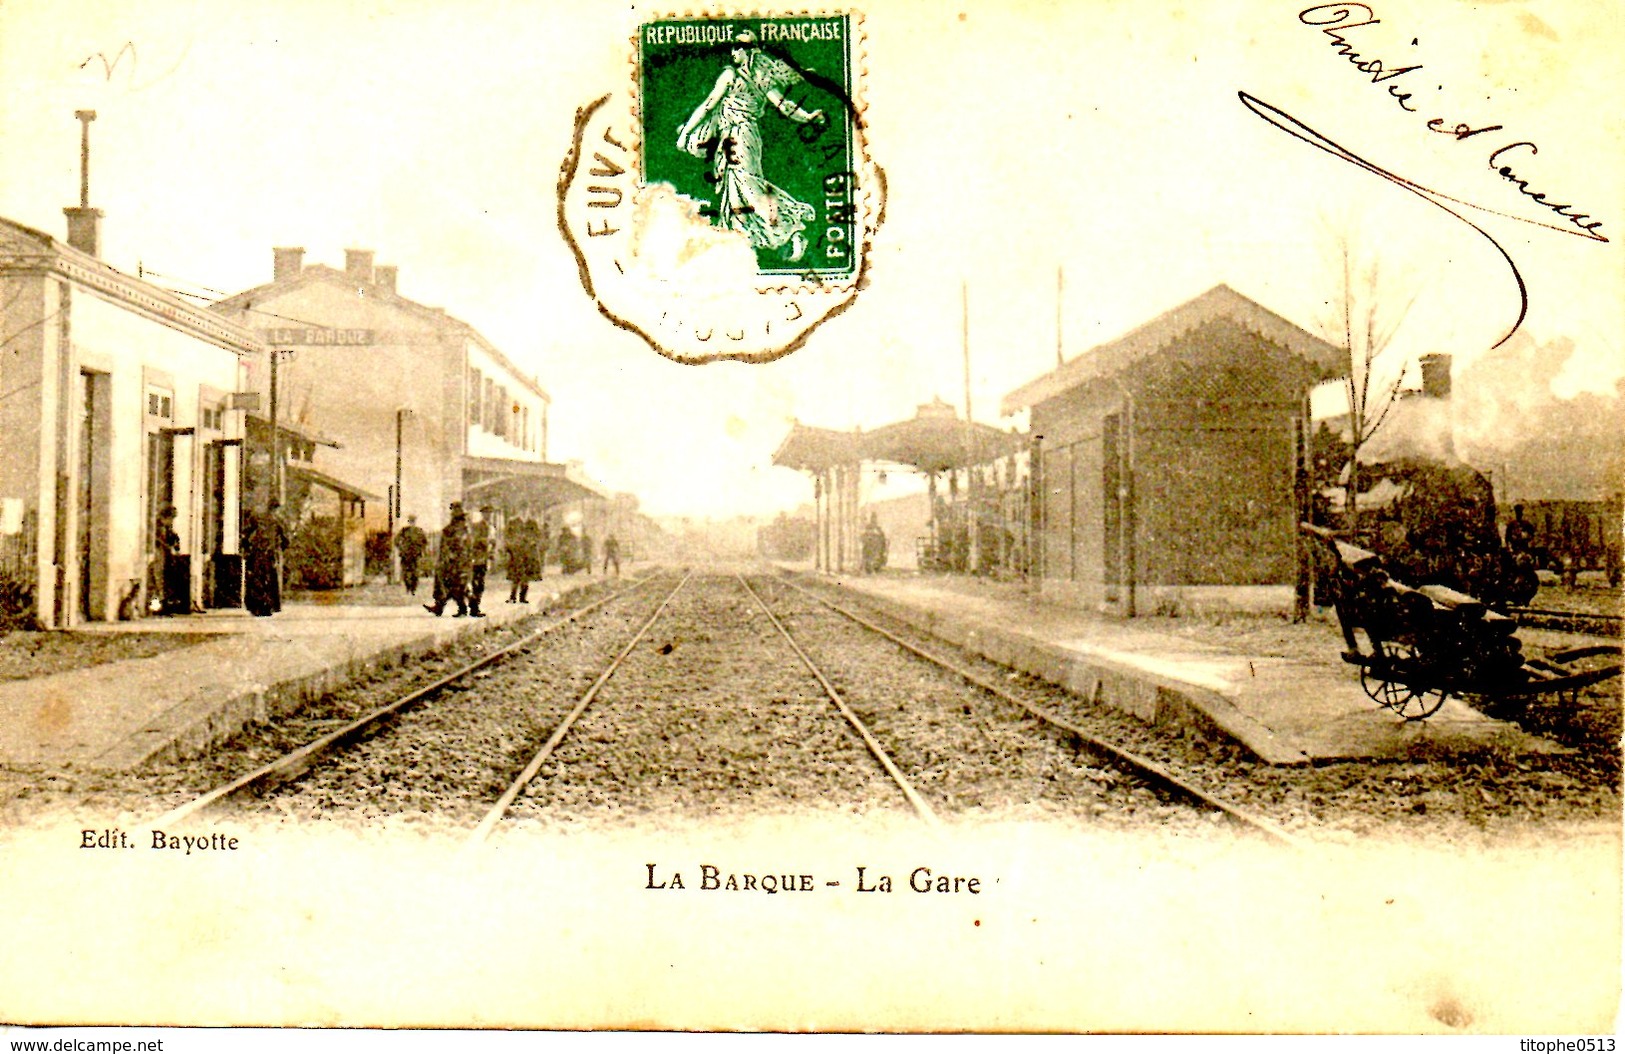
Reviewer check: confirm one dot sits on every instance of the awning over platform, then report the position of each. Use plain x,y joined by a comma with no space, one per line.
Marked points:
524,484
816,449
317,477
935,439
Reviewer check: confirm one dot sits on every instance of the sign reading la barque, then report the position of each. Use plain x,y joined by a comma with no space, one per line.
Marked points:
304,336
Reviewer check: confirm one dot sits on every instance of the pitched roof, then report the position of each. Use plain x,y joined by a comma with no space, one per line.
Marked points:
26,249
1105,360
433,317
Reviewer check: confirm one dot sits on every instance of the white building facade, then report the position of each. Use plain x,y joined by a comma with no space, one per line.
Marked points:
116,400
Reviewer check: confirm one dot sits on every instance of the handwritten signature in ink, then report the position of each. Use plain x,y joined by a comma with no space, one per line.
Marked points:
1333,21
1298,130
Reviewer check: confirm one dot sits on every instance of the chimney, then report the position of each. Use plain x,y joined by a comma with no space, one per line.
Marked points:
384,276
1436,375
358,264
286,263
84,222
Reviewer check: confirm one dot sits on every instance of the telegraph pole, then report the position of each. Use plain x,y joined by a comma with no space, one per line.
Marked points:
276,440
1059,361
973,517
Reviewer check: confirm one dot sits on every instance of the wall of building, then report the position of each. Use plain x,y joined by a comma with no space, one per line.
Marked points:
507,418
1073,525
351,392
23,333
384,358
127,356
1206,449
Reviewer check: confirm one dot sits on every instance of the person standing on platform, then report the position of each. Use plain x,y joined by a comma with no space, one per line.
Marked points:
612,555
411,543
587,551
568,553
267,538
168,546
480,546
521,560
452,568
873,546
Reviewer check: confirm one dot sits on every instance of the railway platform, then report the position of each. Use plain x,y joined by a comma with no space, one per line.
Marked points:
118,715
1286,711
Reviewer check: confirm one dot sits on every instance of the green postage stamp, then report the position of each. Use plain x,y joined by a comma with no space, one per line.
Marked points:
753,118
720,200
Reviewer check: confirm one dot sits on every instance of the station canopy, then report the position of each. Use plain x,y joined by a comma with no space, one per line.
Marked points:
935,439
502,483
317,477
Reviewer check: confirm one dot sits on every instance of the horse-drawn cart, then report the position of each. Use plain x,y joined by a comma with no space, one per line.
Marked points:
1416,647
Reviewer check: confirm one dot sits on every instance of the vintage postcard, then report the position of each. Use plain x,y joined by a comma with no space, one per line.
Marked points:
997,517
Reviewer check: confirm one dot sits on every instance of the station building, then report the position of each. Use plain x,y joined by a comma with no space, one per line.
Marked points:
116,400
1172,462
422,408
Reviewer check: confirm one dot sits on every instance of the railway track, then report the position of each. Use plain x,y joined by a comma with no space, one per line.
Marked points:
1586,622
296,763
495,814
707,704
1144,767
770,705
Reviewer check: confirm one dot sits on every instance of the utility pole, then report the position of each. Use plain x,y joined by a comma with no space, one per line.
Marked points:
1059,361
276,439
395,510
973,517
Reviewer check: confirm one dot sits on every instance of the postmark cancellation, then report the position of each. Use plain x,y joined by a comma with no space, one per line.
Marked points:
720,205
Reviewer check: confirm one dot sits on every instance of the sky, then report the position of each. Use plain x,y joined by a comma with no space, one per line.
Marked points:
1102,140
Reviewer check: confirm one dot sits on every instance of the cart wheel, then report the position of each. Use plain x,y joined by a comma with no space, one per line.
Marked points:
1408,701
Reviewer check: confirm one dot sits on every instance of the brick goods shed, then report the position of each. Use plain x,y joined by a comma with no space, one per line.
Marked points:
1167,467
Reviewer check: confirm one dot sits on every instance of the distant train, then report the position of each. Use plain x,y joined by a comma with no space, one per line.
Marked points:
1569,537
787,539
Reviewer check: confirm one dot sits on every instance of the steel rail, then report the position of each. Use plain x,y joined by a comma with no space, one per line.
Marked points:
913,796
295,763
495,814
1590,623
1121,755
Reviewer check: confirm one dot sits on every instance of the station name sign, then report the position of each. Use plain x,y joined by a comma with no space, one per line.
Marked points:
319,336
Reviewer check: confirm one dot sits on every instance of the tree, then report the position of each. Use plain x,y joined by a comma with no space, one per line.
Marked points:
1364,325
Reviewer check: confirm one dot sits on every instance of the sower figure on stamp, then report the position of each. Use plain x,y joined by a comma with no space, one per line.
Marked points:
452,568
726,128
612,555
411,543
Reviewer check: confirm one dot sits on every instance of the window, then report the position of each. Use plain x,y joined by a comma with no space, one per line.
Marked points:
524,427
210,418
490,415
475,413
160,404
501,409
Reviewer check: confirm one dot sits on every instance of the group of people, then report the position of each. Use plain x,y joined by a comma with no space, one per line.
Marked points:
467,550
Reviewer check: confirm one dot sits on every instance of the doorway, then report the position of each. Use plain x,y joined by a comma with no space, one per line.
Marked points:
95,462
